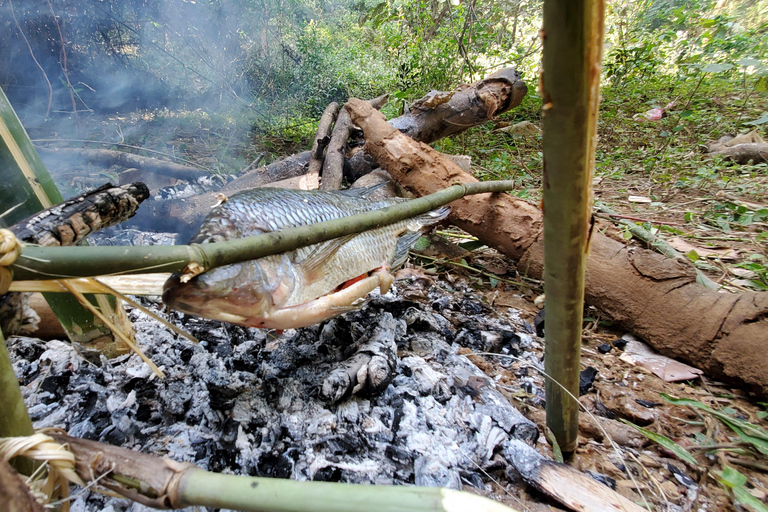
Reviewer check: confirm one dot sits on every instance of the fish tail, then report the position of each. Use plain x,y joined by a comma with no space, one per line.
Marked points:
407,239
434,216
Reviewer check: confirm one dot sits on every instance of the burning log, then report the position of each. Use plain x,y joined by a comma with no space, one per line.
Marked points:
370,370
70,222
654,297
435,116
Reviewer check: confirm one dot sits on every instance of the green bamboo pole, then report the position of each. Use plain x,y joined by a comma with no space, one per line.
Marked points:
39,263
27,188
201,488
14,419
572,39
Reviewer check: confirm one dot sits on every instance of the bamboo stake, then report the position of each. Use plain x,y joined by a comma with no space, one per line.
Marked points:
572,38
25,189
14,419
40,263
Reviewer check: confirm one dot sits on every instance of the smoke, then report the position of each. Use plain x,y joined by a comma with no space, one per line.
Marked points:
108,57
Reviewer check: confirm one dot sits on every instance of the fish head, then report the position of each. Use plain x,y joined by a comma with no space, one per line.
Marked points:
237,293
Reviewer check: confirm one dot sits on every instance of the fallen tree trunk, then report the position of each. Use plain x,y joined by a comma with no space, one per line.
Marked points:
754,153
435,116
656,298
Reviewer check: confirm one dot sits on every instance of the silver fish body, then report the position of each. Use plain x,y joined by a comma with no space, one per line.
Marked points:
299,287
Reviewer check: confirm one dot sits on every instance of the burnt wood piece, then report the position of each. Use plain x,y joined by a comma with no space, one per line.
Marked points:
438,114
481,101
565,484
333,166
654,297
14,493
70,222
370,370
323,137
60,157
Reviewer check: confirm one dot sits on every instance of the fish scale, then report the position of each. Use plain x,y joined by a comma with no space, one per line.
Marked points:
250,292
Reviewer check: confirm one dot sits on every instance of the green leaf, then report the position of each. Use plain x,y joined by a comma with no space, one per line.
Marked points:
734,480
666,442
686,113
749,61
421,244
748,432
755,122
717,68
693,255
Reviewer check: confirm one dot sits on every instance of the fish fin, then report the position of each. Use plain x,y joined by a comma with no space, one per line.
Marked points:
432,217
362,192
404,243
314,260
408,238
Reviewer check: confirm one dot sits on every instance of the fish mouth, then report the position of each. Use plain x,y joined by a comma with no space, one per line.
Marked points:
185,297
217,296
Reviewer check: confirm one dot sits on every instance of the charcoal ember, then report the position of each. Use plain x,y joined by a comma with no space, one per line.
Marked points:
420,320
203,184
249,401
370,370
586,378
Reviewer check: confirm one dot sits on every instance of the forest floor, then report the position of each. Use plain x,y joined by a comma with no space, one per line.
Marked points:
655,175
652,174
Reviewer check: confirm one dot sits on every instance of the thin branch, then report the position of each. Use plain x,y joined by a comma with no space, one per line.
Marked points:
32,53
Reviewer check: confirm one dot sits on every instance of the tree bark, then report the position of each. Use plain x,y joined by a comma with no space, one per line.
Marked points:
656,298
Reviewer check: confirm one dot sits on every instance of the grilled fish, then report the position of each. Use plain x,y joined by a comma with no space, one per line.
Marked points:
300,287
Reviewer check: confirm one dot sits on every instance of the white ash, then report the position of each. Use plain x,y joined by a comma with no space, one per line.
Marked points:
246,401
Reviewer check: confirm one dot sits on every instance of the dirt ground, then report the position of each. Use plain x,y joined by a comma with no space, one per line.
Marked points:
643,470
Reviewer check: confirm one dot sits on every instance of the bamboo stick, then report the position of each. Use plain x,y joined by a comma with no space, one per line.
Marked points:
40,263
164,483
572,37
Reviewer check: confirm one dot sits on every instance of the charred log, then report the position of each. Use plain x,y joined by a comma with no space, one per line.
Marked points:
107,158
323,137
70,222
370,370
656,298
333,167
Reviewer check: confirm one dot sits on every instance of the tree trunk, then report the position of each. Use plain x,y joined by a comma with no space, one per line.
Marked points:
654,297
